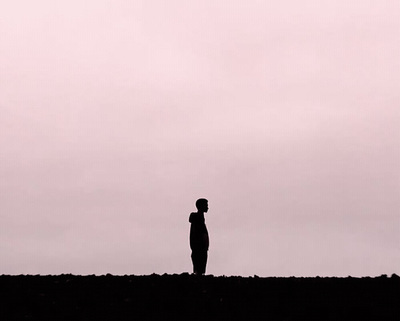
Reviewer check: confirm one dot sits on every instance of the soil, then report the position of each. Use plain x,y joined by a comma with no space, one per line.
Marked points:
189,297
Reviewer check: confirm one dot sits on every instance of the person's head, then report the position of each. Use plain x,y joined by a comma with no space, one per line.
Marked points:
202,205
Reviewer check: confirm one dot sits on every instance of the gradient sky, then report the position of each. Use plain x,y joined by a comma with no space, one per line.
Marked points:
115,116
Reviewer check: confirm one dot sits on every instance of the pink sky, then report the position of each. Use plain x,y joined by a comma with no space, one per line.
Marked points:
115,116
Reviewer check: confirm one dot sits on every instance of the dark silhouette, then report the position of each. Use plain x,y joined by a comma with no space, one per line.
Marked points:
199,240
183,297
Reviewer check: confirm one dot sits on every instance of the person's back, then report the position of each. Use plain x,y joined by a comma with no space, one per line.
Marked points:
199,241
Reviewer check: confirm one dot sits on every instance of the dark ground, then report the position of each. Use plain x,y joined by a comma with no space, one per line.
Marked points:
187,297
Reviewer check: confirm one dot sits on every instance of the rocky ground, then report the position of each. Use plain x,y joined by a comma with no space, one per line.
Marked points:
187,297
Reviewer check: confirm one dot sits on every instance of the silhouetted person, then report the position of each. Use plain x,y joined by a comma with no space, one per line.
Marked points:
199,241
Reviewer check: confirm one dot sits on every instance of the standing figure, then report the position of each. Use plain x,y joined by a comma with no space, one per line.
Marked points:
199,241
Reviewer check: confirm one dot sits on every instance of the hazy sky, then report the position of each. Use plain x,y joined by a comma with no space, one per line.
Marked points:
115,116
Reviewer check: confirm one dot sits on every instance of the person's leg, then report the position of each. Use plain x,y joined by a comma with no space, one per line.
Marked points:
202,262
199,260
195,261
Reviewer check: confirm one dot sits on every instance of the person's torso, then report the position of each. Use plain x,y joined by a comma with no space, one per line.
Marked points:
198,232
